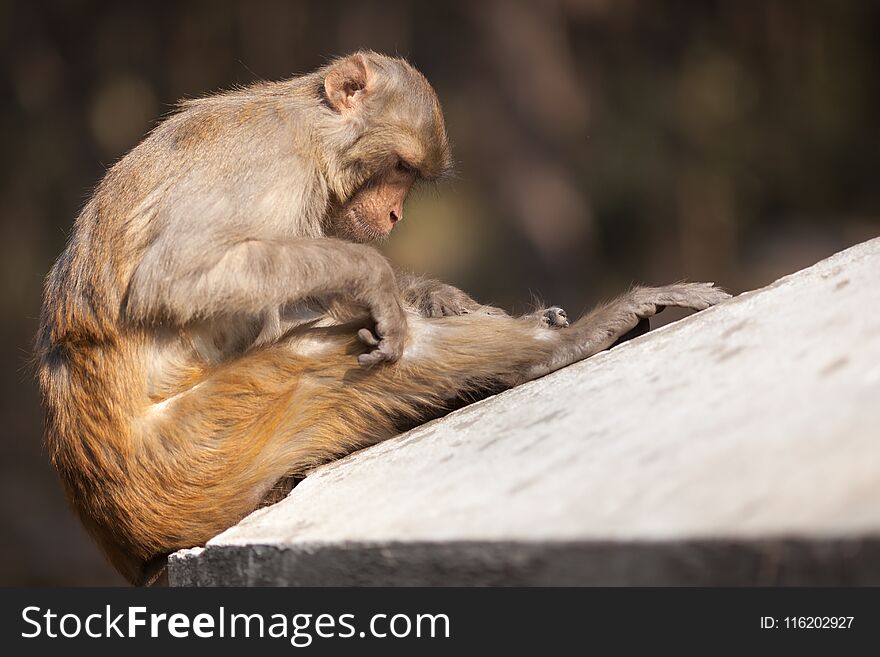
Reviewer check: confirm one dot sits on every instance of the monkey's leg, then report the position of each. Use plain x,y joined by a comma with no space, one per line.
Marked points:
464,357
604,326
509,351
641,328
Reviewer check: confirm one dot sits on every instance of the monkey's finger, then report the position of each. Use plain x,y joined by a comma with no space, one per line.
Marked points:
366,336
380,355
371,358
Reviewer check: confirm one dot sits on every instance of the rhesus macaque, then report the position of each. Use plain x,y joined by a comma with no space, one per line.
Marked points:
217,323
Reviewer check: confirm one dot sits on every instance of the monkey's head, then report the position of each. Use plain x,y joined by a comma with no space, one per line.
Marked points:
385,130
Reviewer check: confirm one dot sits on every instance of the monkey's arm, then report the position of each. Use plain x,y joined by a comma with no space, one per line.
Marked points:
252,276
433,298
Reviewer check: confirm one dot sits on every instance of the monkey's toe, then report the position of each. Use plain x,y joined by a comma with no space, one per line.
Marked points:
555,317
447,308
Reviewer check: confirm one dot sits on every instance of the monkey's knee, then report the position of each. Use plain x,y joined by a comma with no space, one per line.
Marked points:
554,317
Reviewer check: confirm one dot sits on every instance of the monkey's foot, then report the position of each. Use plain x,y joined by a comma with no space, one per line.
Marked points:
648,301
554,317
446,301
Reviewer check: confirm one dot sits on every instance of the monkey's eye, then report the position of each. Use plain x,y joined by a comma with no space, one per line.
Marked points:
403,166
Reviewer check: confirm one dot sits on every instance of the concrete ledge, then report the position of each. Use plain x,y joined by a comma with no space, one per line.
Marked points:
738,446
597,563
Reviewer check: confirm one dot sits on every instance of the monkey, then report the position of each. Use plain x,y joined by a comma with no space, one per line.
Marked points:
219,321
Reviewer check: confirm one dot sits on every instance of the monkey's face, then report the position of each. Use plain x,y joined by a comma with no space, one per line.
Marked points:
396,135
377,206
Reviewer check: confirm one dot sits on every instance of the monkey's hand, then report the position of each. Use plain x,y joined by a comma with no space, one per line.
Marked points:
389,336
381,296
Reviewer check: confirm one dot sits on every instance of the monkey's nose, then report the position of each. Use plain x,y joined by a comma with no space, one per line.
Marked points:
393,216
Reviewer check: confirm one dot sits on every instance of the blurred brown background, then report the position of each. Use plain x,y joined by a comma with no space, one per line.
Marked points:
598,142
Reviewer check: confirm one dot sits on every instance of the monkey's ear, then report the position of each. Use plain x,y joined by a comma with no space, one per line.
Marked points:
345,82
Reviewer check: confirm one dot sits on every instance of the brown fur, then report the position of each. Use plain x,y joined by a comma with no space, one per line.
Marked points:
199,335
